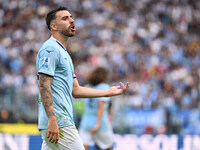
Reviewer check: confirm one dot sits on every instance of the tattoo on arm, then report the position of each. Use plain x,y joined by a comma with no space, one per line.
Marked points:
45,83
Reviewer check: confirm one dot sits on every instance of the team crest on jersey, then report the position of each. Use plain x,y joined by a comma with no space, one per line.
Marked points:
46,62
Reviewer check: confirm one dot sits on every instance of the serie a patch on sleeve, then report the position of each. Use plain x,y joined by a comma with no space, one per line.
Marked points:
46,62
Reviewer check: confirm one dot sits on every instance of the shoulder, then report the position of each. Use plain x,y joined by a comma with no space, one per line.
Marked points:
49,47
49,44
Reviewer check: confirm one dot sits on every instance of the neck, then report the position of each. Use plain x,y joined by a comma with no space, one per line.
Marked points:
62,39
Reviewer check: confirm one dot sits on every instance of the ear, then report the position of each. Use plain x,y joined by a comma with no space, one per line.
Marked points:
53,26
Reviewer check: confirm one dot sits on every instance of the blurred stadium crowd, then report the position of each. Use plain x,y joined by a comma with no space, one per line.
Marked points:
152,44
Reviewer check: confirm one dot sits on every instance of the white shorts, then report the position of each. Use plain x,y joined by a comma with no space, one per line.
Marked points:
104,139
69,139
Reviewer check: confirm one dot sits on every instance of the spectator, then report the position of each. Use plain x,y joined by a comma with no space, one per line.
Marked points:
151,41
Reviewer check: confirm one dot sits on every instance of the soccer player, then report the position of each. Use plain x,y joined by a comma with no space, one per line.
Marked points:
58,83
95,126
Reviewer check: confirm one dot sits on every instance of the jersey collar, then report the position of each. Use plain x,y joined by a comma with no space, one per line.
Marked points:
59,43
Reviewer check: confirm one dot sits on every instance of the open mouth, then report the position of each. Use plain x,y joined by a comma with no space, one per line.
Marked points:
73,27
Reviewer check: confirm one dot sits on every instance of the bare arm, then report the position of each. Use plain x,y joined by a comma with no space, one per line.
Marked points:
84,92
99,116
45,83
45,91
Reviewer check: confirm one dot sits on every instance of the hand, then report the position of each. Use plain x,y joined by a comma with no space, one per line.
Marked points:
116,90
53,131
95,129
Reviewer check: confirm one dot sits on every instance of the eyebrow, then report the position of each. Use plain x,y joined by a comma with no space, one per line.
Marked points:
67,16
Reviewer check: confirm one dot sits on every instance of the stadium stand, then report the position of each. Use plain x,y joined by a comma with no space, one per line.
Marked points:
152,44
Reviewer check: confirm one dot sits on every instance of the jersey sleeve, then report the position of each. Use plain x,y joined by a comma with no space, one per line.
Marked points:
74,76
48,59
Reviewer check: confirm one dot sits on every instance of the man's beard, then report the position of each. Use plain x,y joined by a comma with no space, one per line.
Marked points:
67,33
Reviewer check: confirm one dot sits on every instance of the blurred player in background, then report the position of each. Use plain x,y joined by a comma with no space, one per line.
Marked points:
58,83
95,126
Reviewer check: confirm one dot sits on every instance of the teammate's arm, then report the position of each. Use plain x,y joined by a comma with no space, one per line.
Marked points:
45,83
99,116
84,92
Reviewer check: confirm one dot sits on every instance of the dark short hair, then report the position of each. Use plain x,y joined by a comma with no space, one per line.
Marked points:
52,15
98,75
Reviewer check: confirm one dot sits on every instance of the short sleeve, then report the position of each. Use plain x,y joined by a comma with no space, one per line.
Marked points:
48,59
74,76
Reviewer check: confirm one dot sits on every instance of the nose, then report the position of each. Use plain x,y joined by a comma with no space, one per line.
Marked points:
72,20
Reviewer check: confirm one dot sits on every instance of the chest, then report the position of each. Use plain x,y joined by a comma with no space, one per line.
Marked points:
65,64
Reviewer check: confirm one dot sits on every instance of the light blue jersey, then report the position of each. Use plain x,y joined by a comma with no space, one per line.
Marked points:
54,60
89,117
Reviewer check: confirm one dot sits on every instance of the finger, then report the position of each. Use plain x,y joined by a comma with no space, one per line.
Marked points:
48,134
124,88
51,137
52,141
56,141
56,138
118,87
122,85
127,85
